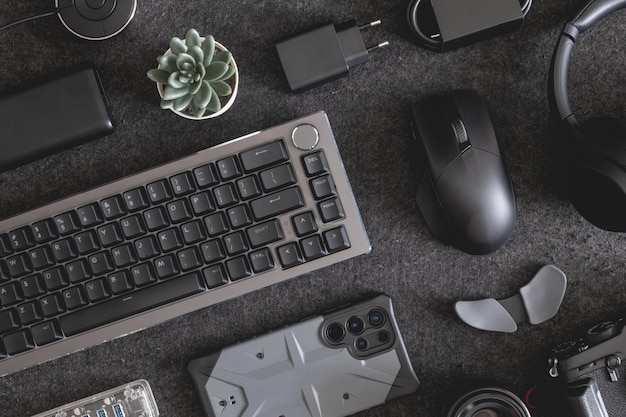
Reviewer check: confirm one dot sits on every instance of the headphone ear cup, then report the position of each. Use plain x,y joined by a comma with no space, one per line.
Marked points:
606,136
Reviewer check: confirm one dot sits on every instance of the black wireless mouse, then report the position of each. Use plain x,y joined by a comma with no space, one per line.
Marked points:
465,193
95,19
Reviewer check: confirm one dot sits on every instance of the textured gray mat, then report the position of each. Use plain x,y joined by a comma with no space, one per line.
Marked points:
369,111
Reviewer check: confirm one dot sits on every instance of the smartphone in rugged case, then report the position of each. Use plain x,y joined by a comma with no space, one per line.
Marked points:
332,365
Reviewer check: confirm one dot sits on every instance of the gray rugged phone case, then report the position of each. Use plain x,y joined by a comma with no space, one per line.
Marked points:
332,365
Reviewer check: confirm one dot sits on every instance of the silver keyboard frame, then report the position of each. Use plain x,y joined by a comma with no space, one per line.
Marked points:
352,222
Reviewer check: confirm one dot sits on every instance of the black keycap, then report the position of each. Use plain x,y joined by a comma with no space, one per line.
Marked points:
278,177
8,321
29,312
264,233
289,255
312,247
136,199
143,274
170,239
10,294
110,234
113,207
87,242
225,195
67,223
44,231
18,342
97,290
5,245
120,282
304,223
146,247
74,298
323,187
4,272
123,255
261,260
19,265
263,156
77,271
89,215
205,176
179,211
100,263
46,332
215,276
248,187
21,238
32,286
212,251
51,305
182,183
202,203
166,266
133,226
228,168
193,232
41,257
235,243
315,163
137,302
55,278
216,224
189,259
238,268
331,210
156,219
277,203
159,191
239,216
64,249
336,239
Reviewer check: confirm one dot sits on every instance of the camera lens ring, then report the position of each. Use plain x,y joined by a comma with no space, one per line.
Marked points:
361,344
383,336
355,325
487,402
376,317
335,333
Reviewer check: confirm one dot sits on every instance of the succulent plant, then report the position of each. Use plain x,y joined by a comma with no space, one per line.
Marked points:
194,74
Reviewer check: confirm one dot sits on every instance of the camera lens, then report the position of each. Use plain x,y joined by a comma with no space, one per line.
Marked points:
488,402
355,325
335,333
376,318
383,336
361,344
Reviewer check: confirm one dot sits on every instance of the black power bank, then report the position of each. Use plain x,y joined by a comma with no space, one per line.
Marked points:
46,115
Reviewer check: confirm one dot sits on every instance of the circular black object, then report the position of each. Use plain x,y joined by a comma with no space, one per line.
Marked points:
335,333
361,344
488,402
376,318
383,336
355,325
95,19
602,331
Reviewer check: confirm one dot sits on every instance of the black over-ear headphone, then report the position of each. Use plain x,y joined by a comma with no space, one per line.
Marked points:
594,151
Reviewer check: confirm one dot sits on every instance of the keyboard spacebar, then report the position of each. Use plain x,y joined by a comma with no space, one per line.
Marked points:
134,303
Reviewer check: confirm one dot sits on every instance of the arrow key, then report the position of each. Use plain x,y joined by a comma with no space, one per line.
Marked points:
336,239
290,255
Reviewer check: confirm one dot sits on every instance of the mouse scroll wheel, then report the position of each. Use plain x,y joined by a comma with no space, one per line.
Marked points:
461,135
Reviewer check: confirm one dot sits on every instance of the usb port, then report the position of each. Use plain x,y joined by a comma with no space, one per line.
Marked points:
102,413
118,410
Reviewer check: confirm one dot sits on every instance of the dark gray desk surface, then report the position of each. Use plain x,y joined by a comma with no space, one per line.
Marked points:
369,111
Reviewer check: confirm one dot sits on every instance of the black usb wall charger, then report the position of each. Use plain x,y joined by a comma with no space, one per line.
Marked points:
323,54
456,23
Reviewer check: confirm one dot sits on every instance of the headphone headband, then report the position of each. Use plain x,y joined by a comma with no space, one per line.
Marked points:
591,13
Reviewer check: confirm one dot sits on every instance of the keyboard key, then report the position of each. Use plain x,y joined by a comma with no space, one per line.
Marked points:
32,286
143,274
29,312
41,257
51,305
5,245
278,177
331,210
46,332
100,263
235,243
315,163
277,203
10,294
113,207
156,219
55,278
19,265
146,248
170,239
261,260
263,156
289,255
8,321
74,298
87,242
323,187
120,282
238,268
304,223
18,342
225,195
182,184
166,266
336,239
264,233
123,255
212,251
179,211
159,191
205,176
216,224
44,231
89,215
64,249
202,203
97,290
77,271
133,226
136,199
189,259
228,168
21,238
215,276
140,301
239,216
193,232
67,223
248,187
110,234
312,247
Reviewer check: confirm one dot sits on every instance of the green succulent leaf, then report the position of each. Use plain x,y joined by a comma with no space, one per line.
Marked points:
192,38
221,88
214,104
208,46
167,62
158,75
181,103
197,53
167,104
177,45
194,88
223,56
171,93
203,96
175,81
197,111
185,61
228,74
215,71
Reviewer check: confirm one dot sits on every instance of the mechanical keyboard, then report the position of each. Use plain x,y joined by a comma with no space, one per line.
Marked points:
152,246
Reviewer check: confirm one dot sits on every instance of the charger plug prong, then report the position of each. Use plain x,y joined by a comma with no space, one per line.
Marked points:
380,45
369,25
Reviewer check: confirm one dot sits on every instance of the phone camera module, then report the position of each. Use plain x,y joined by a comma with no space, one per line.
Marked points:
383,336
335,333
361,344
355,325
376,318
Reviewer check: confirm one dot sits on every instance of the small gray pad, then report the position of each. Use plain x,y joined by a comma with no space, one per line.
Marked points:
536,302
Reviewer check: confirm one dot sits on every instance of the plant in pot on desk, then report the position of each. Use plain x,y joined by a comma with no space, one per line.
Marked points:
197,77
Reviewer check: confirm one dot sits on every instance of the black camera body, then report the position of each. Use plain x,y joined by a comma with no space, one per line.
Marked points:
587,376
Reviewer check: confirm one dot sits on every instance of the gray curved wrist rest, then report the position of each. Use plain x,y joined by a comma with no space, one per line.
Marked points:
536,302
